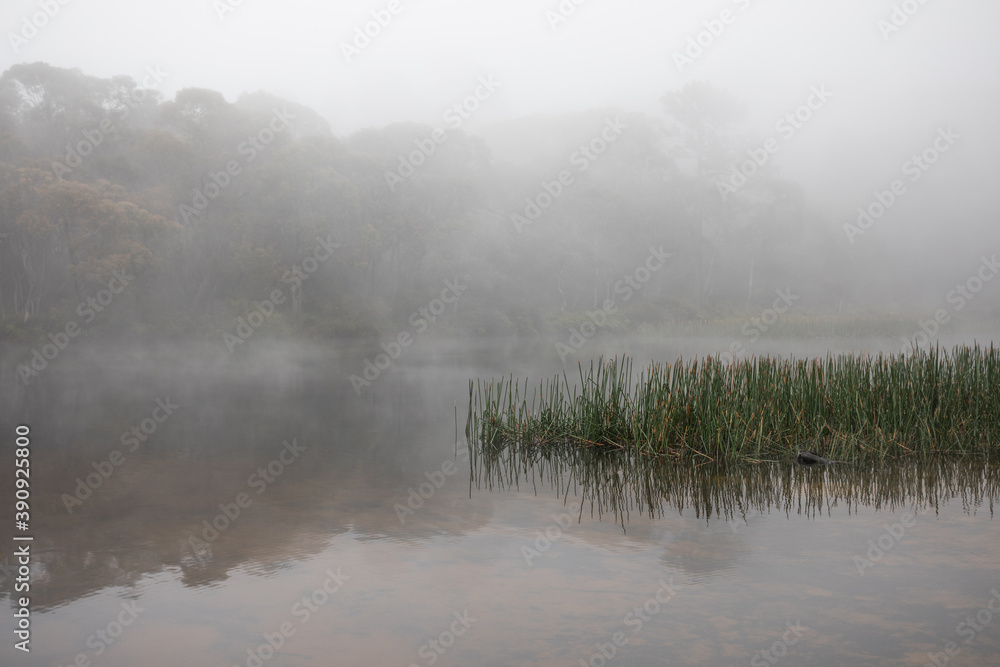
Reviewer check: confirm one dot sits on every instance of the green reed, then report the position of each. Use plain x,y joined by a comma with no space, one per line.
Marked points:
846,407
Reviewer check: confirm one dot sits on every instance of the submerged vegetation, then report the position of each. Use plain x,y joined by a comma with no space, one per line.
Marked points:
847,407
617,483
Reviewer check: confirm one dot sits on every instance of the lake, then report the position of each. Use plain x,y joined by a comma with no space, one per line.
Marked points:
192,506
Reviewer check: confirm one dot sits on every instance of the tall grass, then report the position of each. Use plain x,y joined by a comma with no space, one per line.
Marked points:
845,407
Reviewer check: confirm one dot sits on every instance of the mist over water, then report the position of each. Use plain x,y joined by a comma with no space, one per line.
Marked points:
251,257
380,493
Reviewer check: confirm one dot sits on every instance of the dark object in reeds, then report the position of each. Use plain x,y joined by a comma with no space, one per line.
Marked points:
808,459
759,408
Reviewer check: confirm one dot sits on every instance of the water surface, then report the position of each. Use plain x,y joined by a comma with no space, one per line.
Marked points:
365,506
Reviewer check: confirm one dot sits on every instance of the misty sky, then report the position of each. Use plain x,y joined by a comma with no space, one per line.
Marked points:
891,92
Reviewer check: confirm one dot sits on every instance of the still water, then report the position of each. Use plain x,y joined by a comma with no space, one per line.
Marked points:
191,507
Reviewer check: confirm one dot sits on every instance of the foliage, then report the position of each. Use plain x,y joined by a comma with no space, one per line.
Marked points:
845,407
209,204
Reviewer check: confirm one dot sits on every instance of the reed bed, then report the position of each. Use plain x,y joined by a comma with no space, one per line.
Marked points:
845,407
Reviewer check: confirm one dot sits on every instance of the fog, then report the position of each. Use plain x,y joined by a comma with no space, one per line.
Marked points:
893,75
246,242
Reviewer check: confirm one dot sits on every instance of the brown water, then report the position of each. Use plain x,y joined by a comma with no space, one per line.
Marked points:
328,559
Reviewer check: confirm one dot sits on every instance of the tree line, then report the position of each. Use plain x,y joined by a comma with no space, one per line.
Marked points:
211,207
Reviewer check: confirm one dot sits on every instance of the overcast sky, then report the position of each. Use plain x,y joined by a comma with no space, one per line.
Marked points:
891,90
606,53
